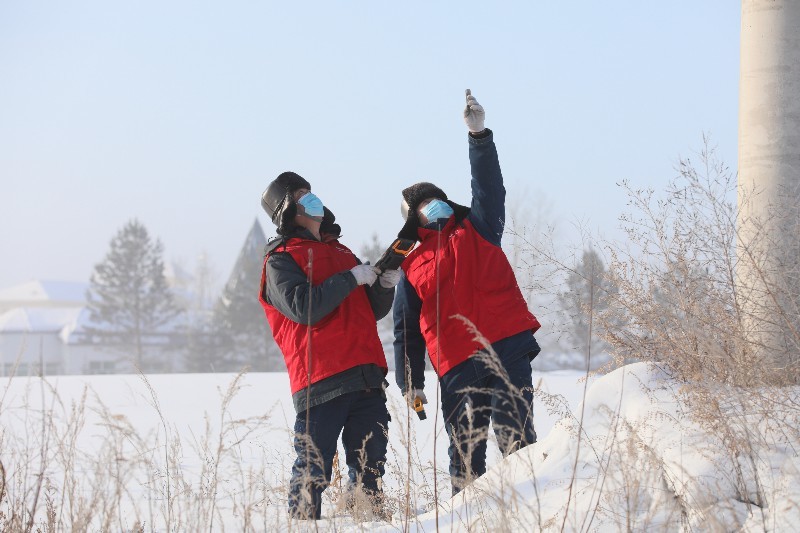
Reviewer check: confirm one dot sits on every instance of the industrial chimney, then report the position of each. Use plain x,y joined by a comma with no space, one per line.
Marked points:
768,245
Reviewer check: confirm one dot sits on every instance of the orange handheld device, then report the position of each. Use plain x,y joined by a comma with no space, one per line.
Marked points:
394,255
420,409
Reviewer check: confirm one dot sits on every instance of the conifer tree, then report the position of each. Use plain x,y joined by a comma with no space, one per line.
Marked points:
240,334
372,251
202,346
129,300
587,295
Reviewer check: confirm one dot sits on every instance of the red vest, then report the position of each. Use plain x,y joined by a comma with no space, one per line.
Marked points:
476,281
345,338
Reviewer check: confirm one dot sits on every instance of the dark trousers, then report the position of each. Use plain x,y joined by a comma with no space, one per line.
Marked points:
363,421
505,398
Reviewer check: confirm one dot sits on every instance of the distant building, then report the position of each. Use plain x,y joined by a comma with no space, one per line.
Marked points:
43,294
43,331
45,326
36,319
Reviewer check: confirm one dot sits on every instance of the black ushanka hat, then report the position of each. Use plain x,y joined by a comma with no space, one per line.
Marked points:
329,225
278,202
415,195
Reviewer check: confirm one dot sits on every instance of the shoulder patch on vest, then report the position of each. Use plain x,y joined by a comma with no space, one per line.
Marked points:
273,244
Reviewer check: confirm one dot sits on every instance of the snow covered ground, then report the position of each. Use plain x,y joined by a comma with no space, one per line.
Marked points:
213,451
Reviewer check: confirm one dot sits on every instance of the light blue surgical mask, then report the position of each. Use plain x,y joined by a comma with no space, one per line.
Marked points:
311,205
437,209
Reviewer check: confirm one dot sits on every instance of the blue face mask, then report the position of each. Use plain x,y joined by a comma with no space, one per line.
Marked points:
311,205
437,209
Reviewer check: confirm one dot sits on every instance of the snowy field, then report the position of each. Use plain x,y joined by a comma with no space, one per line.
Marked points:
213,451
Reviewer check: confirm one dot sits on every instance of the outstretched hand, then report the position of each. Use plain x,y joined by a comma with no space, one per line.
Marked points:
474,115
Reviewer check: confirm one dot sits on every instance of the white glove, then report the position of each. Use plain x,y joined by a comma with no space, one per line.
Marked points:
474,115
417,393
365,274
390,278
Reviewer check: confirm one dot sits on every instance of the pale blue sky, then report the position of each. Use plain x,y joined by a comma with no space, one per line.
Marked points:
180,113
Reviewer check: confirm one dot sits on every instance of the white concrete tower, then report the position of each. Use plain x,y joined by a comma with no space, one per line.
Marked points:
769,177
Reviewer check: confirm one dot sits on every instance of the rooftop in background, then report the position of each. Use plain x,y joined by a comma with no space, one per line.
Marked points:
39,293
39,320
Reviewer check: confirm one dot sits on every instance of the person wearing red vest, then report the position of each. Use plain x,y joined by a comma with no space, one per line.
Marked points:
322,305
460,301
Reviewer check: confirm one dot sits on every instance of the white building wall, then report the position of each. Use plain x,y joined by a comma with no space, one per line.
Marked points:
23,353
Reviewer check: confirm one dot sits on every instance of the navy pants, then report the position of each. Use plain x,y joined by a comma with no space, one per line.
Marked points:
363,421
505,399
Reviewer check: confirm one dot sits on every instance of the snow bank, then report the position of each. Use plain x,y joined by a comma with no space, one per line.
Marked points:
639,461
629,456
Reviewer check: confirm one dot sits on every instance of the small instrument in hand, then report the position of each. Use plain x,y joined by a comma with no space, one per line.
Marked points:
394,255
420,409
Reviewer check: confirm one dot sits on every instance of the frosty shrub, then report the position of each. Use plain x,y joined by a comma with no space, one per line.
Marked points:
685,306
696,291
678,292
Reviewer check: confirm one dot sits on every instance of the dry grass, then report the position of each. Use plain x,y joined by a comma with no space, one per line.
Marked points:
126,480
731,343
677,304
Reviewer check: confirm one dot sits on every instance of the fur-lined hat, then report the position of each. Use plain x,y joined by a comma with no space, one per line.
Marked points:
278,200
415,195
329,225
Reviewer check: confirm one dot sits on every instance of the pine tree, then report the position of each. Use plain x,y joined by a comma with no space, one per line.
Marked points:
129,300
240,333
202,346
372,251
587,296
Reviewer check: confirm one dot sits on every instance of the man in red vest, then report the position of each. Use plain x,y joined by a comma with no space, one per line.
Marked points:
460,301
322,306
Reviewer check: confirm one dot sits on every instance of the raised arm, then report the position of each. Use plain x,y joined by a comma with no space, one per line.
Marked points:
488,213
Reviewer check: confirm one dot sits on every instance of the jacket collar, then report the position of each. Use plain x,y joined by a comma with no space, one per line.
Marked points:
435,227
302,233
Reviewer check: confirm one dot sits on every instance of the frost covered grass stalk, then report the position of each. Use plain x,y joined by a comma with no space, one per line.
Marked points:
680,293
590,313
415,473
155,404
502,513
677,300
125,480
135,478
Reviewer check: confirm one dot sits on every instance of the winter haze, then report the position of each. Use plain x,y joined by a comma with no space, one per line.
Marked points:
180,113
